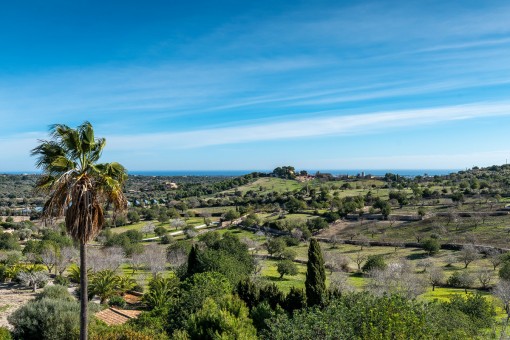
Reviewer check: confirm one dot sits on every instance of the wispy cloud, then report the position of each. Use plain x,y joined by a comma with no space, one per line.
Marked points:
321,126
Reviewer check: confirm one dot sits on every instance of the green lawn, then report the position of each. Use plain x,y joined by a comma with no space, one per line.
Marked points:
267,184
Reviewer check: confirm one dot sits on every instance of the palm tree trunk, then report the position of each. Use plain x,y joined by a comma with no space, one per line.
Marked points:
83,293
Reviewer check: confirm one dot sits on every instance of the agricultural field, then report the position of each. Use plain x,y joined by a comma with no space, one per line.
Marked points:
274,219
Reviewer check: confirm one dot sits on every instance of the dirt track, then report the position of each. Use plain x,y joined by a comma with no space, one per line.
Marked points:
11,298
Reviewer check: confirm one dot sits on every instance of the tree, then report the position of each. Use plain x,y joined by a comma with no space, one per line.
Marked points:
155,258
160,231
294,300
65,257
436,277
104,284
177,223
148,228
374,262
359,259
460,280
338,282
275,246
163,216
336,262
315,283
79,188
248,291
133,216
231,215
502,291
495,258
226,318
504,271
193,261
396,278
109,258
33,278
160,292
286,267
484,276
431,246
468,254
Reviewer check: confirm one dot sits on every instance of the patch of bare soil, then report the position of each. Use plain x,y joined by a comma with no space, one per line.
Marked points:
12,297
335,228
16,218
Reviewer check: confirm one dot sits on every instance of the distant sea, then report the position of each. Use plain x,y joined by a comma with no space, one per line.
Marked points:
375,172
233,173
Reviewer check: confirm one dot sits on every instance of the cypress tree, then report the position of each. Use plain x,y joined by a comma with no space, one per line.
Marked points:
315,283
193,262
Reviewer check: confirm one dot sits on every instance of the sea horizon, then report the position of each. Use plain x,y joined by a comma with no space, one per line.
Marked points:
234,173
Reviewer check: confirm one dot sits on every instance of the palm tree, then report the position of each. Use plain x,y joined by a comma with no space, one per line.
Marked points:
78,188
104,284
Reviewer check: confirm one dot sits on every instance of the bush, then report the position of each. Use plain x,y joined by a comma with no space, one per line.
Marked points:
5,334
117,301
291,241
286,267
476,307
47,319
55,292
504,271
62,280
363,316
431,246
374,262
225,318
460,279
166,239
33,279
124,332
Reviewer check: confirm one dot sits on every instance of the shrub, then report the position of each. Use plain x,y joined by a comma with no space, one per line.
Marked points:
504,271
117,301
460,279
124,332
374,262
476,307
5,334
286,267
291,241
62,280
226,318
55,292
166,239
47,319
33,279
431,246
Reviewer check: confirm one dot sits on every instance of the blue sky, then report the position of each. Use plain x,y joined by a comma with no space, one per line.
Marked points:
203,85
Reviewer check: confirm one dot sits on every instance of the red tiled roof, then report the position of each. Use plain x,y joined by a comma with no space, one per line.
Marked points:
131,299
114,316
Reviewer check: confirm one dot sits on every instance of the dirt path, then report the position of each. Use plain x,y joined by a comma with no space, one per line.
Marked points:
11,298
335,228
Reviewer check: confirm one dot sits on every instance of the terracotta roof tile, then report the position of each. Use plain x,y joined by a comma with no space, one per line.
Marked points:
113,316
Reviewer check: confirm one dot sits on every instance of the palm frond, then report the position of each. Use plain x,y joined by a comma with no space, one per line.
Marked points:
77,187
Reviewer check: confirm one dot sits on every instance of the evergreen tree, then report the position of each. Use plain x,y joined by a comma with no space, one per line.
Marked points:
248,292
315,283
272,294
193,262
295,299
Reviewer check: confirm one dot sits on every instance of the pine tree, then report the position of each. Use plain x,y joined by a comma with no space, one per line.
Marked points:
315,283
